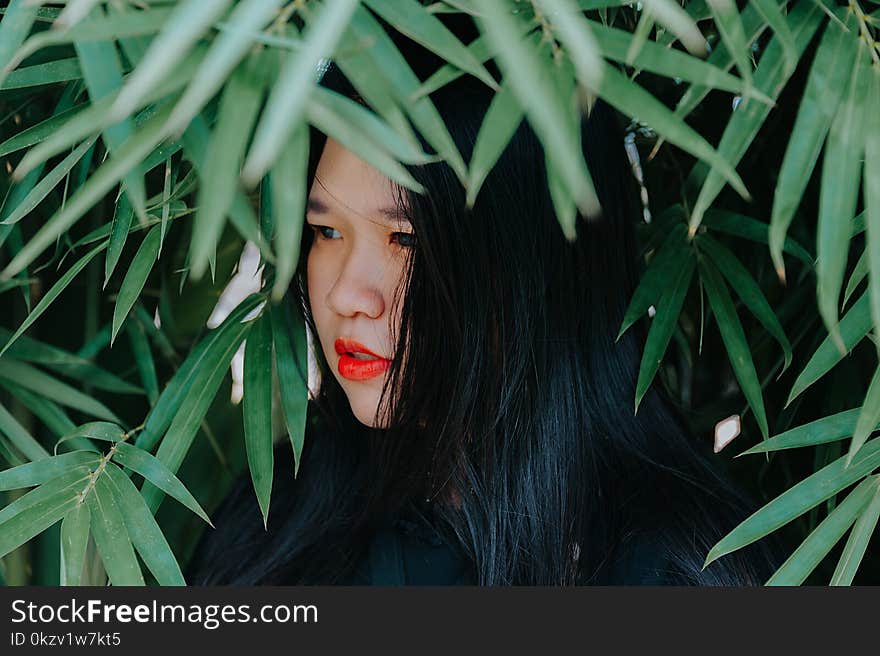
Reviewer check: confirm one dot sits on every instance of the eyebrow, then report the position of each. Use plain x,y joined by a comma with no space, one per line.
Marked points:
387,214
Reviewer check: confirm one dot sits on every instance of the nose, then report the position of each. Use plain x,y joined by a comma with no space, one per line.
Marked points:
358,287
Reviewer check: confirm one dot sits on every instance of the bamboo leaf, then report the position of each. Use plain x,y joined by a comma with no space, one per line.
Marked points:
111,536
824,90
771,12
820,541
748,290
676,20
96,430
853,327
797,500
257,410
291,362
180,31
119,229
734,340
662,326
60,70
821,431
74,540
869,416
871,191
135,278
841,173
146,536
746,227
159,475
857,544
14,28
44,470
19,436
143,357
288,193
730,27
239,106
289,96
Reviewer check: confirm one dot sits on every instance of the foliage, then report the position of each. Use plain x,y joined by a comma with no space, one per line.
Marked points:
149,132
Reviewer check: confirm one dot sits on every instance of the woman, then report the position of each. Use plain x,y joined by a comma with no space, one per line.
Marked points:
489,438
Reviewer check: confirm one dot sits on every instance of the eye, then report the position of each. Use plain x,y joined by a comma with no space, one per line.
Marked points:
404,239
323,231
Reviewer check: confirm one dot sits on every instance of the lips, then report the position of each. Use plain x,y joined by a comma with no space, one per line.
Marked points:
354,368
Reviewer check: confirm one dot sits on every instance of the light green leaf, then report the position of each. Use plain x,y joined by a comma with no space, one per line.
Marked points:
869,416
675,19
227,49
289,95
119,229
39,132
96,430
819,542
135,278
60,70
871,191
288,193
257,410
841,173
818,106
499,124
857,544
662,326
146,536
74,540
853,327
730,27
14,28
111,536
798,499
239,107
771,12
179,32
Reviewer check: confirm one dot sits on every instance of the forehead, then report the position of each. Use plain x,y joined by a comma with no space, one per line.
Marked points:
346,184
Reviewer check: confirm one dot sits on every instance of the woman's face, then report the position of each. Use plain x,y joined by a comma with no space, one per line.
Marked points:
356,262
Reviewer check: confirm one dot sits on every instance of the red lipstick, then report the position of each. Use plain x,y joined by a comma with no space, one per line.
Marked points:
354,368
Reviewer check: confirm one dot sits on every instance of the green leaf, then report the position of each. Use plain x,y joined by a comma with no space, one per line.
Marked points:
111,536
654,282
289,95
101,181
239,106
820,431
19,436
178,34
841,173
771,12
33,513
339,127
871,191
288,194
44,470
730,28
770,78
853,327
257,410
824,90
61,70
857,544
676,20
662,326
135,278
227,49
797,500
143,357
119,229
860,270
191,371
499,124
821,540
14,28
145,533
412,19
748,290
364,28
96,430
74,540
526,71
158,474
746,227
291,362
40,382
734,340
869,416
205,383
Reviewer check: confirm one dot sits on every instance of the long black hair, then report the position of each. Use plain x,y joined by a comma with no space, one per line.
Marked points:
511,403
